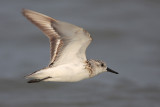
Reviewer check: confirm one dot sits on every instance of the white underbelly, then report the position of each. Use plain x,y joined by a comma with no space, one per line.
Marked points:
69,78
67,73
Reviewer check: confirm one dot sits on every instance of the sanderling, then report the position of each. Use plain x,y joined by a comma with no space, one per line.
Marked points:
68,43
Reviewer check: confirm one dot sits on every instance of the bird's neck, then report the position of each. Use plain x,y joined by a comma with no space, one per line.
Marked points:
92,67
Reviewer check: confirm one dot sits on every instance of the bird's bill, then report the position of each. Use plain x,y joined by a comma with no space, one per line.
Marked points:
112,71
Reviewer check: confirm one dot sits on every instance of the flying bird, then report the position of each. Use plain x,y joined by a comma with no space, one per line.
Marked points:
68,44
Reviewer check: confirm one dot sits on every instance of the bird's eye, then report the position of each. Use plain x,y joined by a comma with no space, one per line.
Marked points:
102,65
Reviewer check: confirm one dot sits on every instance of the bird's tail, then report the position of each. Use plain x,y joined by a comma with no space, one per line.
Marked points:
38,80
37,76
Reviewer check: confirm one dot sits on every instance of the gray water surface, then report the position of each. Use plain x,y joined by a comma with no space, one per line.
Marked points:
126,35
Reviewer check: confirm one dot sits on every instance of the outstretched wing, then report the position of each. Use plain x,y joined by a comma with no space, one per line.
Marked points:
68,42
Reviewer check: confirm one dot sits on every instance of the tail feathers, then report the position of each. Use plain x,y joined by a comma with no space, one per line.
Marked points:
36,74
32,74
38,80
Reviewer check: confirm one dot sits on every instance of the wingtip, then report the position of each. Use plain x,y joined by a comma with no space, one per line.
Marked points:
30,13
24,11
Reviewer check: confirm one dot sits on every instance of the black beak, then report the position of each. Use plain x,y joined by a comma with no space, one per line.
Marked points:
110,70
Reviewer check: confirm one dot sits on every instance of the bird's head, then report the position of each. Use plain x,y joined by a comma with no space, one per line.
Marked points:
100,66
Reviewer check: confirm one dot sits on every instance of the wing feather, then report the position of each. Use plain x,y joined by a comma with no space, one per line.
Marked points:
67,42
43,22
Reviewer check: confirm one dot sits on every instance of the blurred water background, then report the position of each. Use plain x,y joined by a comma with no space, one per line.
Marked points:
126,35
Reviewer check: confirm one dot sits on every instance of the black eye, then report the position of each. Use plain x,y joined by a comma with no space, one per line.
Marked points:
102,65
